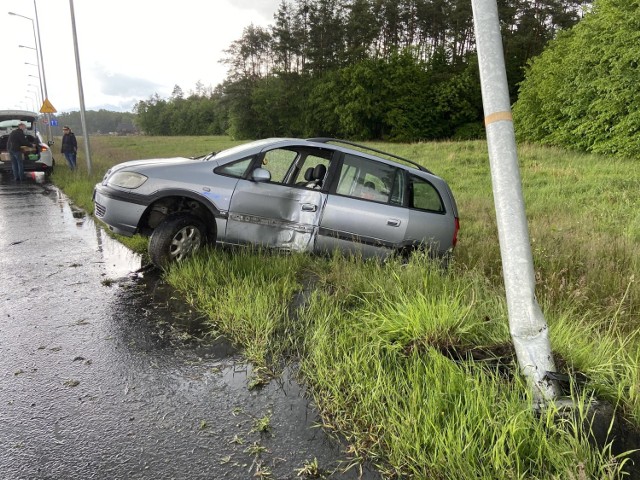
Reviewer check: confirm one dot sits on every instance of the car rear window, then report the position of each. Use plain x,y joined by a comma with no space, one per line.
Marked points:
424,196
12,124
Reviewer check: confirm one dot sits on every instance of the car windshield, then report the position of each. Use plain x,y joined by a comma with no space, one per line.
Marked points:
242,148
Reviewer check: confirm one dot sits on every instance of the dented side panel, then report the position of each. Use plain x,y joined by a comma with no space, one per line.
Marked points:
274,215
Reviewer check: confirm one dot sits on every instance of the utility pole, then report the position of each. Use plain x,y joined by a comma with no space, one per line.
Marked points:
80,91
528,327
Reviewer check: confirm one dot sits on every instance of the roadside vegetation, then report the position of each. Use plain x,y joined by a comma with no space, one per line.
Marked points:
413,365
581,92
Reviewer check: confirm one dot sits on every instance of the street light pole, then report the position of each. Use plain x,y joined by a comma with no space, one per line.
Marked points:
39,80
80,91
44,77
38,97
34,96
33,105
38,48
529,330
35,43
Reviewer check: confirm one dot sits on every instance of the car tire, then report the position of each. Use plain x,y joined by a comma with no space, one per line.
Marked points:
176,238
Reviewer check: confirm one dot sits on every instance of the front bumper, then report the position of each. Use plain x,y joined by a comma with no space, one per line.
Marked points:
116,211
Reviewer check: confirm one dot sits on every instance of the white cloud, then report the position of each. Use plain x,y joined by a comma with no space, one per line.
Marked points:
128,50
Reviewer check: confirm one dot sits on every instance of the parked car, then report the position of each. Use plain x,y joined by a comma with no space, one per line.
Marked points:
39,161
313,195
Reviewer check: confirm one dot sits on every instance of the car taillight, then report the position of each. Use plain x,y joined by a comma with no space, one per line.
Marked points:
43,148
455,232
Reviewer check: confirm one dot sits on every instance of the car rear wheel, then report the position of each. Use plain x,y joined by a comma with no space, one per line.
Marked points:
177,237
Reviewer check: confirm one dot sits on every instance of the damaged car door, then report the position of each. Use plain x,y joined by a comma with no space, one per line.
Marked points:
276,206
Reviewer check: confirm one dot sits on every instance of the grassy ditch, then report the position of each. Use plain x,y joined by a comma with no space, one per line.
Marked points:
414,365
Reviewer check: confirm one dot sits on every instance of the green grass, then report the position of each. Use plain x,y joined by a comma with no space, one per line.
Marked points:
413,365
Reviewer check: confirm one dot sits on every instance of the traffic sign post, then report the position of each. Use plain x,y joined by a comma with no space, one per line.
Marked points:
47,107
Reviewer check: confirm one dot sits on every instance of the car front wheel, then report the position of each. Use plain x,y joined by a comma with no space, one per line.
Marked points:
177,237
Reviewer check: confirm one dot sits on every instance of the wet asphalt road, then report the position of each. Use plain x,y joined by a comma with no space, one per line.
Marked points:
101,376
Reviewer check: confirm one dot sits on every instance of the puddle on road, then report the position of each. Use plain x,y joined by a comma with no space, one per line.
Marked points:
118,260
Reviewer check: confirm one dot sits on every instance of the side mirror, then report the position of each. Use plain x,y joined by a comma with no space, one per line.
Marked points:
50,142
260,175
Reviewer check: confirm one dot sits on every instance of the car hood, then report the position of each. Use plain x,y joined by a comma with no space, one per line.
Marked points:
141,165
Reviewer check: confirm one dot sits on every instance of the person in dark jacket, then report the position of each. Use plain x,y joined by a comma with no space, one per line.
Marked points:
17,144
69,147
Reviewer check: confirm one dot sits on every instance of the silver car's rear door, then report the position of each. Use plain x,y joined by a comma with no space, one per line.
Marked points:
361,227
364,212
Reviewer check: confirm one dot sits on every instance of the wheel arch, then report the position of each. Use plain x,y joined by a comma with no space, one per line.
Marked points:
167,202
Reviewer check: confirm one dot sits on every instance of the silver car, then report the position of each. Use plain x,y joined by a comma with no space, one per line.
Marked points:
313,195
39,161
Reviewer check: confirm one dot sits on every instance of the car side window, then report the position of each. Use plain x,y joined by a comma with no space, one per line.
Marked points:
278,162
424,195
309,172
370,180
235,169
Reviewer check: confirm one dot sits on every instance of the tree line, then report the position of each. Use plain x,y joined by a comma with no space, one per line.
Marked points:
362,69
99,122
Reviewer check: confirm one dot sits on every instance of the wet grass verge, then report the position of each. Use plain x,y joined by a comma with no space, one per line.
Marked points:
411,363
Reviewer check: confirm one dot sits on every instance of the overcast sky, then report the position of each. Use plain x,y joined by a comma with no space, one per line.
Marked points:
129,49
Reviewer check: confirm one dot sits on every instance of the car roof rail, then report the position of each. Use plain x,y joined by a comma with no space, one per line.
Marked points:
364,147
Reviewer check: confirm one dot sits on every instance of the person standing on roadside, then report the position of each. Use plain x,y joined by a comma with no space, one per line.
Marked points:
17,144
69,147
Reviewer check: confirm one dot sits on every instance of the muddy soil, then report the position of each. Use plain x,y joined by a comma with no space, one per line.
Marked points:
104,373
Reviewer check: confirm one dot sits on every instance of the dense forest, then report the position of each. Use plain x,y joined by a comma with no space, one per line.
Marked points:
361,69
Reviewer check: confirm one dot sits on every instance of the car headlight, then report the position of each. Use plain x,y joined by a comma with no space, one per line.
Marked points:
126,179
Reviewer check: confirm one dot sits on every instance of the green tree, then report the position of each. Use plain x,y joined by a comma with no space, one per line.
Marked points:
582,91
325,43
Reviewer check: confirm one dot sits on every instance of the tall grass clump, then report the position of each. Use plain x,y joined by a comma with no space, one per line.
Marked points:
246,295
391,367
607,357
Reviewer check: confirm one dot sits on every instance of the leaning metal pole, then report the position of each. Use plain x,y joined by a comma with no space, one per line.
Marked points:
528,327
87,149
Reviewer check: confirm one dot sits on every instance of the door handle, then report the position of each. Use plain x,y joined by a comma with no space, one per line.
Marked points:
393,222
309,207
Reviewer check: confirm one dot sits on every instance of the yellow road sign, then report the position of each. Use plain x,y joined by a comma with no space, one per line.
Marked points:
47,107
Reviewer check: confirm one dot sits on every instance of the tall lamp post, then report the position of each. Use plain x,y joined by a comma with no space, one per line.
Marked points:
42,94
38,49
35,38
33,105
39,79
34,96
38,97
